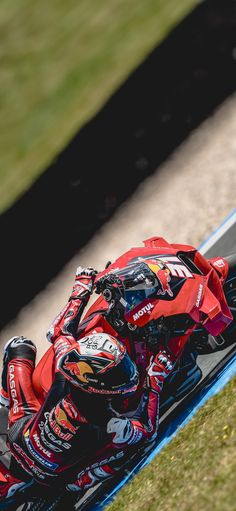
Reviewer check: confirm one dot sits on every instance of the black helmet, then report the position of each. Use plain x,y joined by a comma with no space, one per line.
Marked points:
99,363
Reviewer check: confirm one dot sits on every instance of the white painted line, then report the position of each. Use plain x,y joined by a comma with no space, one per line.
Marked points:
218,233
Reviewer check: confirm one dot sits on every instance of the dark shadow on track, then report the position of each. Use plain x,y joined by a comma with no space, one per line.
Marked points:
172,92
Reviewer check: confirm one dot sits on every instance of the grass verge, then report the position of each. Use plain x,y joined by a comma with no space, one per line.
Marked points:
60,61
197,470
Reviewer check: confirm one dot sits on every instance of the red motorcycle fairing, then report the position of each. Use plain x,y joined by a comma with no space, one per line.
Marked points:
192,285
199,282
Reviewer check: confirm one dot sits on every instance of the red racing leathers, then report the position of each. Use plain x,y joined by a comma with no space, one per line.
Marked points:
60,437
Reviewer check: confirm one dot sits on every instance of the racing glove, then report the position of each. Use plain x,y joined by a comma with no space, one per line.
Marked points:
159,368
144,426
66,323
83,285
125,432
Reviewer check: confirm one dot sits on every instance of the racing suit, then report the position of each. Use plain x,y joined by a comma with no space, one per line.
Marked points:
47,441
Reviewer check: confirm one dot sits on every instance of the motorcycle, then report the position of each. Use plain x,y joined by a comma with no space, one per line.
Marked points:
159,293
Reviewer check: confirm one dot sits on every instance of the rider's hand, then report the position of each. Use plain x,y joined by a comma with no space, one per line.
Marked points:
159,368
124,432
84,280
85,272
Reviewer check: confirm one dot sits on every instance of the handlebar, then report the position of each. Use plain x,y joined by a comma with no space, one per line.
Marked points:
105,286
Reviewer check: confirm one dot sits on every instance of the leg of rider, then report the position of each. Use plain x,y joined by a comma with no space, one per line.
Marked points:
89,477
18,366
23,401
105,465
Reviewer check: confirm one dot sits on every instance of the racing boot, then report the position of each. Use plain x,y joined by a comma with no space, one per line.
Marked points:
18,365
90,478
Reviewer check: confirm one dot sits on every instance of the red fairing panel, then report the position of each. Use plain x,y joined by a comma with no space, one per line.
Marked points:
200,283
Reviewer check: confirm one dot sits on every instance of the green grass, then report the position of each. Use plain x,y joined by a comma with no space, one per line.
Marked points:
60,62
196,471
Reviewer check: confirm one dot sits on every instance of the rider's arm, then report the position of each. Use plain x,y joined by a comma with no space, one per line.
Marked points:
66,323
144,425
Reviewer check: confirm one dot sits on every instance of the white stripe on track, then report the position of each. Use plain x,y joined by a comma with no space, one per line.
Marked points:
218,233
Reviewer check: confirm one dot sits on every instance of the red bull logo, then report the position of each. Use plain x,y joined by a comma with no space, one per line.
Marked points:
163,275
63,421
164,279
78,369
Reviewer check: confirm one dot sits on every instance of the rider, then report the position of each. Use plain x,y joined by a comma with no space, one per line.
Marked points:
79,415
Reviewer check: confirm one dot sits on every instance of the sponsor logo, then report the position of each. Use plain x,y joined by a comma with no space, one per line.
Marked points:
164,279
102,462
51,446
78,369
175,266
45,429
13,388
33,469
29,463
40,446
62,420
199,295
145,310
55,426
172,263
162,272
100,391
41,459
